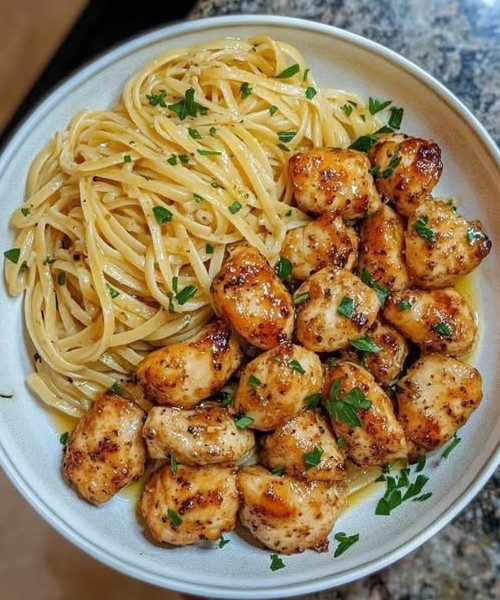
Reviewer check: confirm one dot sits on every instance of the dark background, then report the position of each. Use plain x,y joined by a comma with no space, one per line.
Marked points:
102,25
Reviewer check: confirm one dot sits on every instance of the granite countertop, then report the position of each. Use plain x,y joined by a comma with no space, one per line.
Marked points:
458,42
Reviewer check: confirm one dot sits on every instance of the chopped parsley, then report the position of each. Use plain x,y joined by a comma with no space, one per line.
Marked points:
301,298
395,493
282,146
276,561
312,459
345,541
61,278
426,233
115,389
188,107
343,406
449,449
63,439
197,198
346,307
312,401
162,214
272,110
212,132
26,210
234,207
209,249
172,159
288,72
475,235
194,133
206,152
284,269
341,443
186,294
13,255
243,421
217,186
226,398
279,470
294,365
365,344
364,143
306,74
375,106
443,329
48,260
127,158
286,136
404,305
157,99
389,170
310,93
396,117
347,110
223,541
245,90
174,517
367,279
173,463
254,382
112,292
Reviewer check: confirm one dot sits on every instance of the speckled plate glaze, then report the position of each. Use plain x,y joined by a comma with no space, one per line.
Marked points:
30,451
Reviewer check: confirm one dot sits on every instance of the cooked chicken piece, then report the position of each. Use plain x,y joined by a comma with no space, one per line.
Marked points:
436,397
273,386
326,241
441,245
406,169
185,373
362,414
204,435
105,451
250,296
382,350
289,515
333,307
190,505
333,179
304,447
381,249
435,320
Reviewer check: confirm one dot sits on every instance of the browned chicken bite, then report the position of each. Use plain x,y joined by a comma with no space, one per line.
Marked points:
185,373
436,397
249,295
190,505
204,435
441,245
273,386
304,447
363,415
333,307
435,320
382,247
105,451
326,241
406,169
289,515
333,179
382,350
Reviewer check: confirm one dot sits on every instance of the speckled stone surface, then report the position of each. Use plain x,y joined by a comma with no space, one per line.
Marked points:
458,42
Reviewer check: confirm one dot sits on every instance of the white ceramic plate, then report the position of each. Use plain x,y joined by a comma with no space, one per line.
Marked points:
30,451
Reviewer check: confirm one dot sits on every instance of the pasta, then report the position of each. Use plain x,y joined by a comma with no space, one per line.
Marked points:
129,212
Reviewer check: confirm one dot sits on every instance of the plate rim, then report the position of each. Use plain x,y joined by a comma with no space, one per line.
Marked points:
86,71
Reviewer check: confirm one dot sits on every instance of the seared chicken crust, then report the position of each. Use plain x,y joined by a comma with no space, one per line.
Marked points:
105,451
286,514
191,504
204,435
333,179
185,373
436,397
248,294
